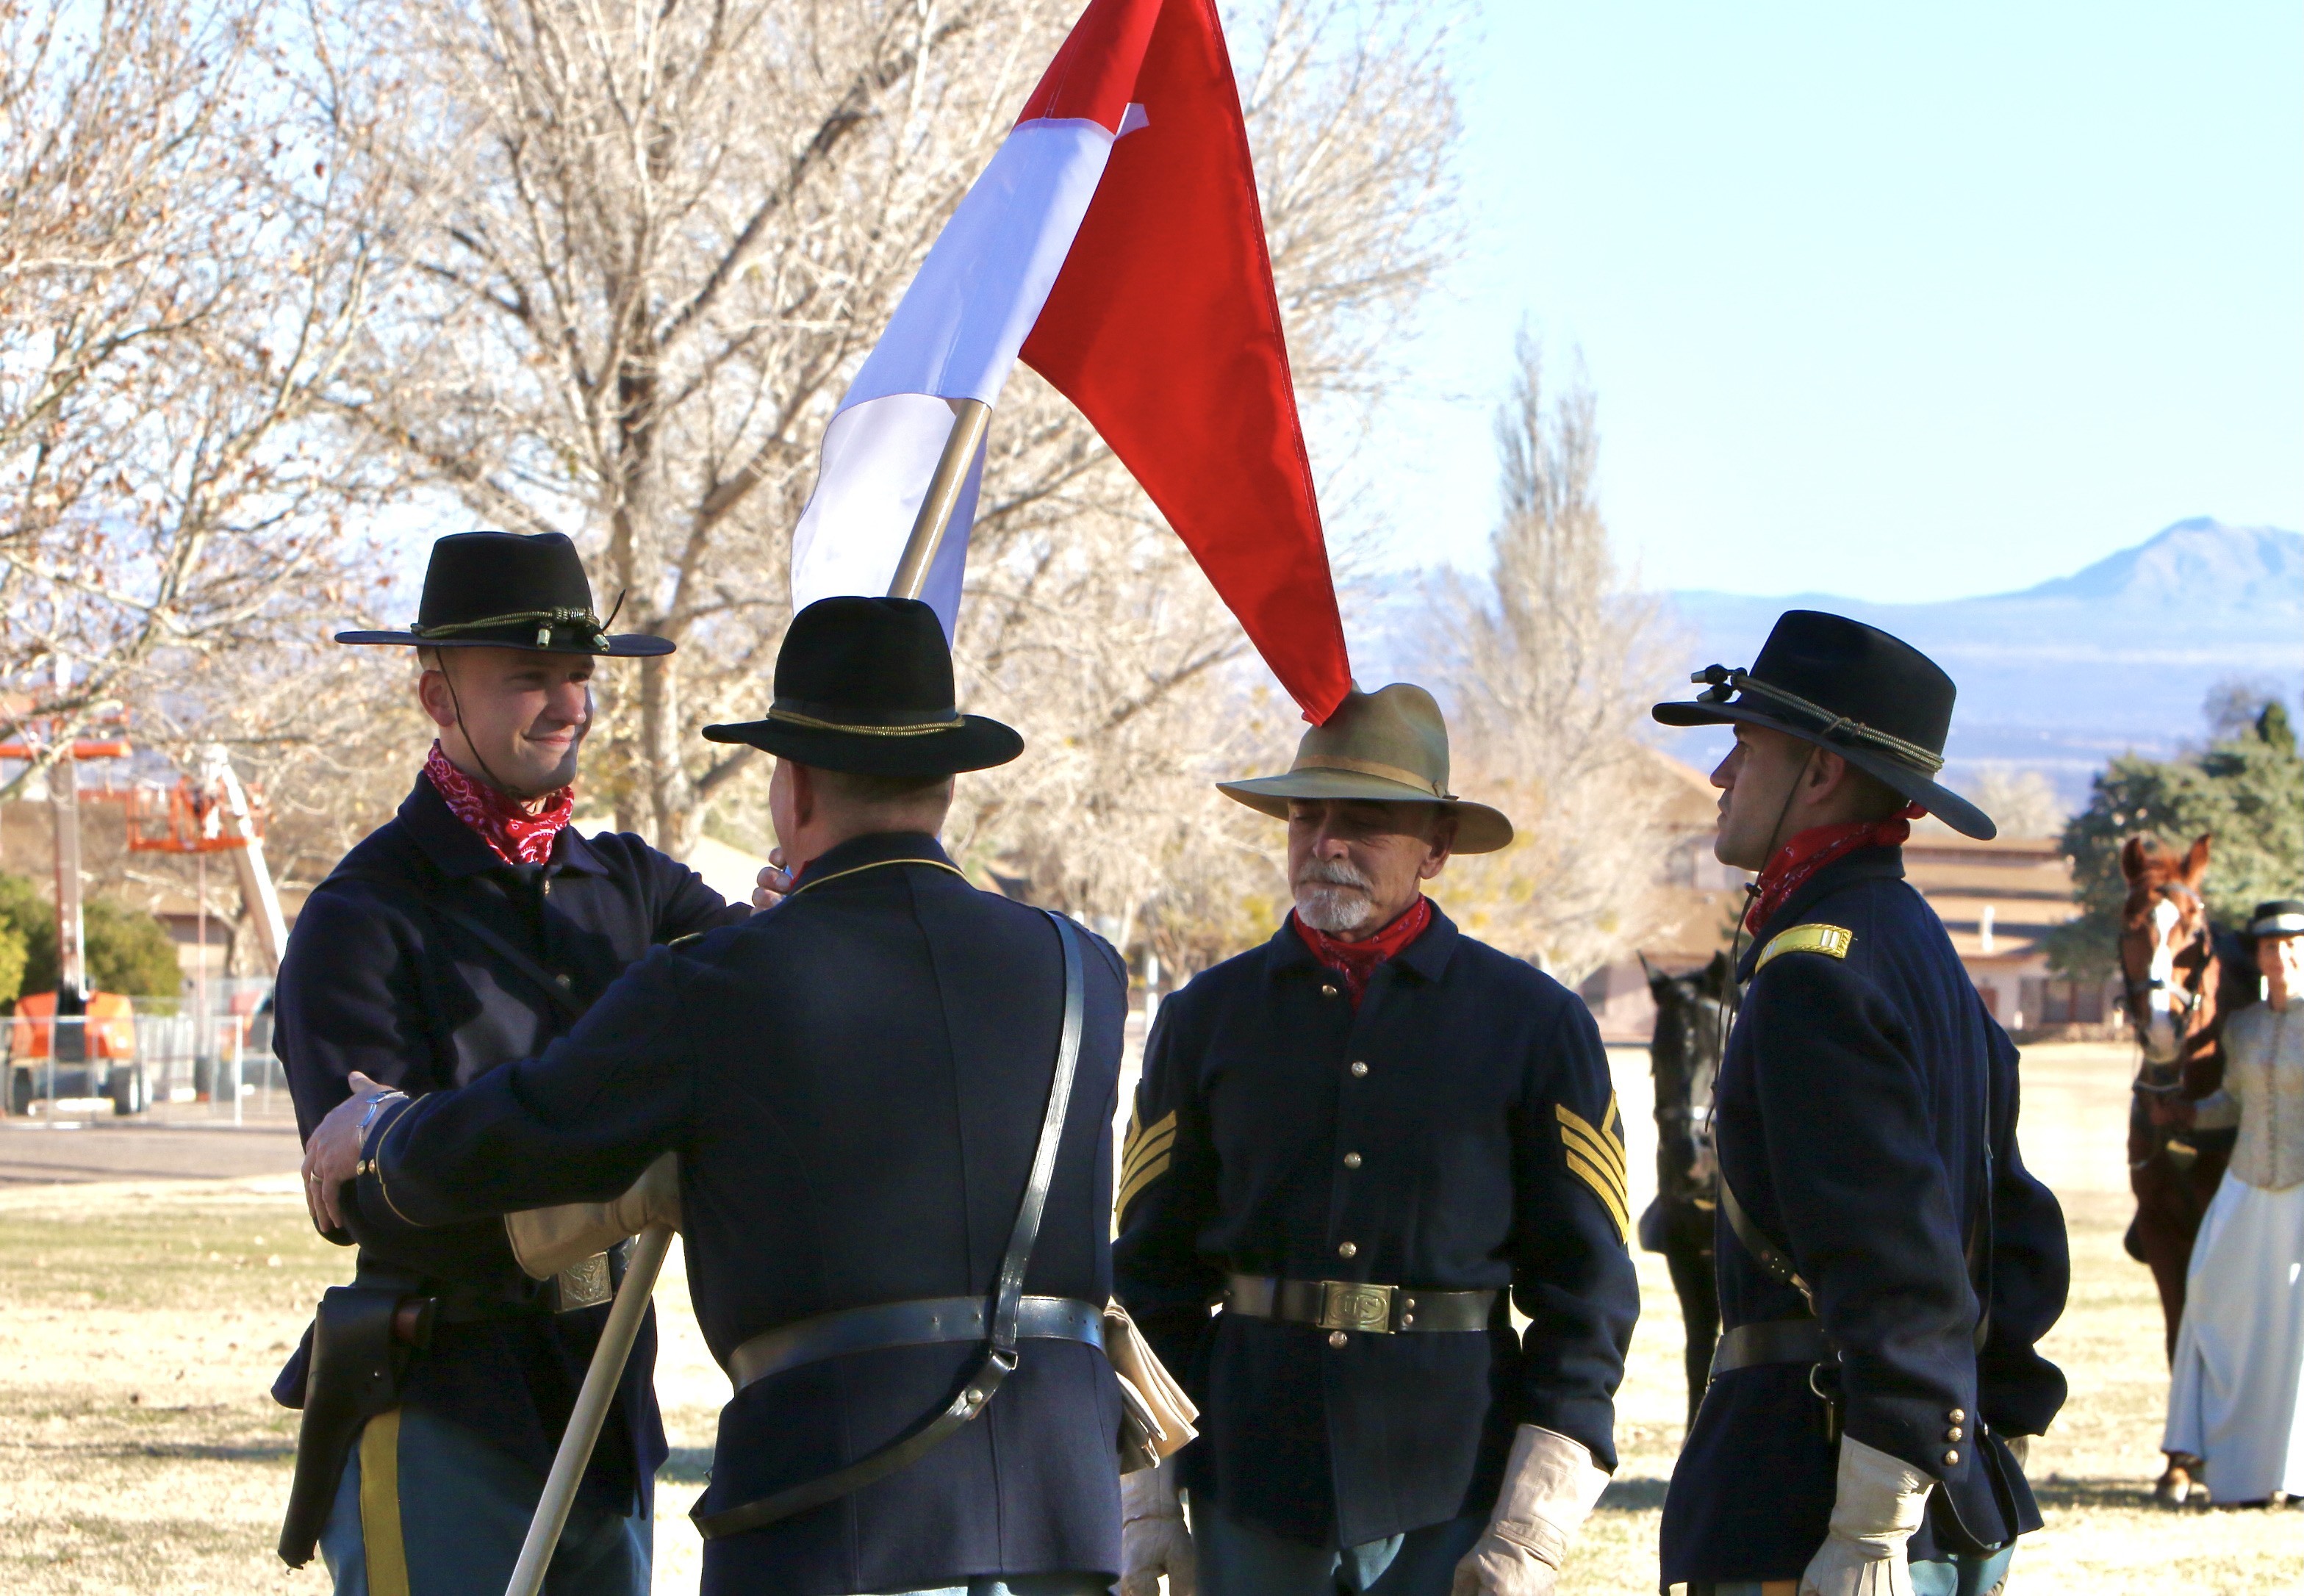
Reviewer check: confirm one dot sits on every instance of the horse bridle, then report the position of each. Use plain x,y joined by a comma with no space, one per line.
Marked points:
2187,998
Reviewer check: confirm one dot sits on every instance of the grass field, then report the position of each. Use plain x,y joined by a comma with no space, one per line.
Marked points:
140,1325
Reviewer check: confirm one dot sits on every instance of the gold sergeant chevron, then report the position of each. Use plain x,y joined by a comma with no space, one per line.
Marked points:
1143,1157
1597,1158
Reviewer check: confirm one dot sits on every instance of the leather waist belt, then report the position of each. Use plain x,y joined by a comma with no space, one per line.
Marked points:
918,1323
589,1284
1771,1341
1358,1305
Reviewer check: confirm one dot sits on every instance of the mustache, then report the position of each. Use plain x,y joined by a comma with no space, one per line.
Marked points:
1331,873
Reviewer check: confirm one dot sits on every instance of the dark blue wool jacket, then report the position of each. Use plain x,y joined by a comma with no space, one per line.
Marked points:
1850,1119
373,980
1476,1067
854,1083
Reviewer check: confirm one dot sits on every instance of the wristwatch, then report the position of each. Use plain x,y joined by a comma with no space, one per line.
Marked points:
376,1102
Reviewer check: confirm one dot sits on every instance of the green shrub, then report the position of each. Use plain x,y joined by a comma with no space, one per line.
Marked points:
2246,791
128,949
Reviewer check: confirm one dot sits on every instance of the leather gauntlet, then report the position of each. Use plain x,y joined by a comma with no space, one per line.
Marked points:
547,1240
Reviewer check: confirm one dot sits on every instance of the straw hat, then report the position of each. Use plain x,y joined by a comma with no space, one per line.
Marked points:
1388,747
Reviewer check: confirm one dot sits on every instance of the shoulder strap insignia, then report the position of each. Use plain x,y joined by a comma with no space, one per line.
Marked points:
1596,1156
1831,940
1143,1156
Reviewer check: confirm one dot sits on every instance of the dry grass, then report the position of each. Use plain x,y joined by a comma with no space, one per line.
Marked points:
140,1326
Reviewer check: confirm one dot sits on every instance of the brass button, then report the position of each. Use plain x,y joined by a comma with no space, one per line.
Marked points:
1351,1161
1349,1250
1328,991
1951,1460
1954,1433
1957,1416
1359,1068
1338,1339
1407,1321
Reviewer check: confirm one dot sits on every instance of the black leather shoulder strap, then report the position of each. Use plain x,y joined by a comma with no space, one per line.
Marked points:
998,1357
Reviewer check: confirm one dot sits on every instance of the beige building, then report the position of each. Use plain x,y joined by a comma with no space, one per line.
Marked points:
1999,901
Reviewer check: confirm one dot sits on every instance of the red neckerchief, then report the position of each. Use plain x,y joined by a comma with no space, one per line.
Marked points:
1355,962
1812,850
518,836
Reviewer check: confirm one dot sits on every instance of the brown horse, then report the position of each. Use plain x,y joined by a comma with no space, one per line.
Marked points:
2170,967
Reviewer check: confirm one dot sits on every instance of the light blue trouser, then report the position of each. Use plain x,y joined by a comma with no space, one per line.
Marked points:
428,1508
1949,1576
1238,1559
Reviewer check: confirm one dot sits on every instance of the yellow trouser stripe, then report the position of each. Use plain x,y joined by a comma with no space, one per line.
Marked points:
380,1500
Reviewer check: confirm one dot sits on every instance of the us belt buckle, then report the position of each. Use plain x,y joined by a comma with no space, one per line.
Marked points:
584,1285
1349,1305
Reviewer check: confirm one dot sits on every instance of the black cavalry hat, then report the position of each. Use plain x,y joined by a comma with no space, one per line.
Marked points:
2282,917
1874,700
512,590
865,685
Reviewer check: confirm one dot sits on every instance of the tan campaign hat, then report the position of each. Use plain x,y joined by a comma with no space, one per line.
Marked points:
1388,747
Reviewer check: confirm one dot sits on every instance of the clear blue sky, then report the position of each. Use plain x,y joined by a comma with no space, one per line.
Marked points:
1907,302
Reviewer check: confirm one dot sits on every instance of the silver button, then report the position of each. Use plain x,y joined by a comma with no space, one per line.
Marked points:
1338,1339
1351,1161
1954,1433
1951,1460
1359,1068
1348,1249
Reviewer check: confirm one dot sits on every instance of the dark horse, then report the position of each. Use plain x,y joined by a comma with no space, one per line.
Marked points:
1690,1029
2173,972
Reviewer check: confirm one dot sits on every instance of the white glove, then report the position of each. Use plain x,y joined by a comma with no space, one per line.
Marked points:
1153,1539
1878,1506
547,1240
1550,1486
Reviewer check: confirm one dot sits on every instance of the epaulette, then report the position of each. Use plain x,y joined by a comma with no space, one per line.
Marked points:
1831,940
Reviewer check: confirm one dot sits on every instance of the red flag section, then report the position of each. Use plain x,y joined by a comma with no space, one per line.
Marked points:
1164,328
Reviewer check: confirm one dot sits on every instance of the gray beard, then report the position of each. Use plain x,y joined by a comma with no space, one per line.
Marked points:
1334,898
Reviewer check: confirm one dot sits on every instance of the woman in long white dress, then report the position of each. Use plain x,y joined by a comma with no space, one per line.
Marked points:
2240,1352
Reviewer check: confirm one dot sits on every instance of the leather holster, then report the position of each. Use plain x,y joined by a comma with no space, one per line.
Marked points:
361,1339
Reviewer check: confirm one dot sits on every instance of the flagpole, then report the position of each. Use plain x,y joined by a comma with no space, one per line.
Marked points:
969,418
591,1411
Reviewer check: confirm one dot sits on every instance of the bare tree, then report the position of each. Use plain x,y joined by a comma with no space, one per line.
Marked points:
1556,662
653,245
176,277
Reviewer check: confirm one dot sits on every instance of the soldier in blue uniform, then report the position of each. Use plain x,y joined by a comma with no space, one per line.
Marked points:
470,930
1886,1264
871,1089
1367,1140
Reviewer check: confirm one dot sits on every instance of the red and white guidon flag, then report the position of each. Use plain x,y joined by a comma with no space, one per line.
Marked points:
1116,243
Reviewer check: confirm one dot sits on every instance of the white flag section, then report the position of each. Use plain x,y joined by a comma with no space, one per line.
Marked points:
953,336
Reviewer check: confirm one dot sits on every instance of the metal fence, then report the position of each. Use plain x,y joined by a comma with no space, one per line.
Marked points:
215,1067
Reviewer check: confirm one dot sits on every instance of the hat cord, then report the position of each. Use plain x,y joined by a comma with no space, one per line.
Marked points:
545,620
1837,727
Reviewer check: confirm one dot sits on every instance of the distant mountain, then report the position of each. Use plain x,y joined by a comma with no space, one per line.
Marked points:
2198,562
2061,676
2058,677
